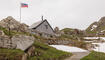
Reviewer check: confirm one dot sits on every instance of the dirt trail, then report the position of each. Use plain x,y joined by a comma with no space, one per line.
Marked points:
77,55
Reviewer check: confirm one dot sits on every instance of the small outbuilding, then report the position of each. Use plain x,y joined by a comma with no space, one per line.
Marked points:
43,27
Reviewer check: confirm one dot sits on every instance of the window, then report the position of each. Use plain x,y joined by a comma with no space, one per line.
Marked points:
46,26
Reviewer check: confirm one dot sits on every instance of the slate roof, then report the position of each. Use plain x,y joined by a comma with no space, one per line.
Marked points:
36,24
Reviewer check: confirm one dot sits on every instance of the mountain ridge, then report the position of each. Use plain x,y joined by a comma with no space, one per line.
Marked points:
97,27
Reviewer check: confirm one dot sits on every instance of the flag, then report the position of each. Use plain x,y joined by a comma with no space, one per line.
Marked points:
24,5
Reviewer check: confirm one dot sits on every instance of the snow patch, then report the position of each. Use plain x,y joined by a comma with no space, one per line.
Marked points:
100,48
93,27
102,30
91,37
94,38
68,48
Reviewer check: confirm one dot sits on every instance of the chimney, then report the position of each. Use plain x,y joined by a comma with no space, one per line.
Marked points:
42,18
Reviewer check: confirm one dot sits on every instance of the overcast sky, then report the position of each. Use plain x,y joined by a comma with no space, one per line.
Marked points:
62,13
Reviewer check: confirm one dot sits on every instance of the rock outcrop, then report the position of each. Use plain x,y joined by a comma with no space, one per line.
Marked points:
16,41
11,23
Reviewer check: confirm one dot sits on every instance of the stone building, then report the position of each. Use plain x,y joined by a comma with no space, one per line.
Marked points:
43,28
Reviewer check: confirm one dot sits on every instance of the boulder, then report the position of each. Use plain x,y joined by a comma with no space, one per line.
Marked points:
16,42
23,42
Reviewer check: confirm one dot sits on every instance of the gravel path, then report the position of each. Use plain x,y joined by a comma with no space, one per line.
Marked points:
77,55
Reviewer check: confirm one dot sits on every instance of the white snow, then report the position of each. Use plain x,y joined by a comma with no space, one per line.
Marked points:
102,30
93,27
91,37
101,47
89,41
103,38
68,48
94,38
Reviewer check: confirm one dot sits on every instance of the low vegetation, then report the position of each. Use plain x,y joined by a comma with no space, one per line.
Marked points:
10,54
45,52
74,32
95,56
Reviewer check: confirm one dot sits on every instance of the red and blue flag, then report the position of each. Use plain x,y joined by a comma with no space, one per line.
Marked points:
24,5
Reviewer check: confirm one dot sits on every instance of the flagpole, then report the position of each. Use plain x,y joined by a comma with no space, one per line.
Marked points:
22,5
20,12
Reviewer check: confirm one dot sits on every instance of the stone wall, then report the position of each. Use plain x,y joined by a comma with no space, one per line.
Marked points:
79,44
58,42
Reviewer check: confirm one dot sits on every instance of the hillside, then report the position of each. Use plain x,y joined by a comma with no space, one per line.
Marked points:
16,43
41,52
97,28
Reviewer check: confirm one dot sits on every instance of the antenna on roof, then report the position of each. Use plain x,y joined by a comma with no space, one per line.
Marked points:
42,18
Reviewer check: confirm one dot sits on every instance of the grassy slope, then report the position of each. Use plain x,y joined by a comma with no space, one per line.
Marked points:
45,52
95,56
10,54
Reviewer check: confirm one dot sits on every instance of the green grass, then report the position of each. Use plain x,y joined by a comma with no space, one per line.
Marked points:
4,50
67,36
95,56
10,54
45,52
67,30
